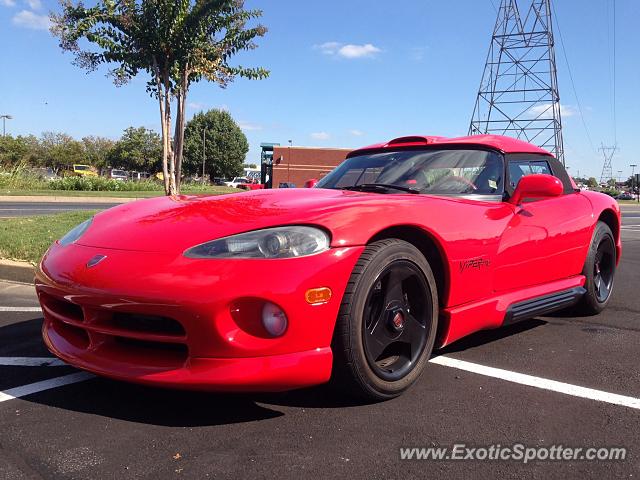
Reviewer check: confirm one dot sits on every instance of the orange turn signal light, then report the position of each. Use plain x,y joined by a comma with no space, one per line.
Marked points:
315,296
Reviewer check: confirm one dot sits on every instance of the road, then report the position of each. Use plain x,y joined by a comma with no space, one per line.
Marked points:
98,428
20,209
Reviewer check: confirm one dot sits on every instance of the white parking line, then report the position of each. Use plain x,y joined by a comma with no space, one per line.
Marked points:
31,362
507,375
20,309
36,387
538,382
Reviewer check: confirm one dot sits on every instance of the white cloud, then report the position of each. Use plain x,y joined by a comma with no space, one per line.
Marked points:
320,136
248,126
28,19
545,109
348,50
195,105
33,4
356,132
8,3
328,48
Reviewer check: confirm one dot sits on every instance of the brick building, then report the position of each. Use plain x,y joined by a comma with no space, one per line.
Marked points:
298,164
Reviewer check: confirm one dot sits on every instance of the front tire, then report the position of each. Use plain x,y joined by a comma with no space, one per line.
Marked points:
387,322
599,271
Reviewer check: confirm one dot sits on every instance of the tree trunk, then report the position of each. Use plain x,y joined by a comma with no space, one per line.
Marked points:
162,93
180,125
167,122
165,149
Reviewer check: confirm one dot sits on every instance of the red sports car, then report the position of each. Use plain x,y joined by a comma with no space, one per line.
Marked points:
406,246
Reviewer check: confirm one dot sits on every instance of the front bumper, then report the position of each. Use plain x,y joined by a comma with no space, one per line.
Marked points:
167,320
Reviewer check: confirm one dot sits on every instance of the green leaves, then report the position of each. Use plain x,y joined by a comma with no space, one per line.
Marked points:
197,37
225,145
176,42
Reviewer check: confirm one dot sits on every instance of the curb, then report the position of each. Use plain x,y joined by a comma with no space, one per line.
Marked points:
21,272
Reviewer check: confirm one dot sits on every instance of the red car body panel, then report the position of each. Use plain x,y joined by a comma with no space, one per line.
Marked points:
494,254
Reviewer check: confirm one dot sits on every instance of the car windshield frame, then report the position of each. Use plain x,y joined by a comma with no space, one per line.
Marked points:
430,171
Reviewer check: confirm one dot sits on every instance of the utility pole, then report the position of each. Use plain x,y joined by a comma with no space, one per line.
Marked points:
4,126
518,94
204,150
634,183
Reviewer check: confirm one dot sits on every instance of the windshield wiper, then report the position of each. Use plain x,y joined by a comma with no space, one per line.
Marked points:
380,186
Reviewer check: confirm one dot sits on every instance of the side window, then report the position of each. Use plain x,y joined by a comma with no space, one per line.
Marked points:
521,168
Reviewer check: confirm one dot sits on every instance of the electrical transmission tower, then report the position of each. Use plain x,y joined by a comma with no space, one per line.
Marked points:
518,94
607,168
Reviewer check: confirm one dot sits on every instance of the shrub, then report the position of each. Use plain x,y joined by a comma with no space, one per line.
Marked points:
102,184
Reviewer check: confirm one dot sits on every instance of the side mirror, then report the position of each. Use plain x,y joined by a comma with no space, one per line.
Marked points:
536,186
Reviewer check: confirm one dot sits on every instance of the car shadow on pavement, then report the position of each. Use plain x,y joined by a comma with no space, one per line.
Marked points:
487,336
177,408
155,406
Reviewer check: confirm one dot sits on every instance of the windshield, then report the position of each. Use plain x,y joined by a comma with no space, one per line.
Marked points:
81,167
436,172
120,173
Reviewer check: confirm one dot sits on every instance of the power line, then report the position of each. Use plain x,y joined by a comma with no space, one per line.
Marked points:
615,123
573,85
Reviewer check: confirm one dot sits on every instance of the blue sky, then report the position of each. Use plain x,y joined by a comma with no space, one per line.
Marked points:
343,74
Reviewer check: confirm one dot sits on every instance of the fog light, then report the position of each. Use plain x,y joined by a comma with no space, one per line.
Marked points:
274,320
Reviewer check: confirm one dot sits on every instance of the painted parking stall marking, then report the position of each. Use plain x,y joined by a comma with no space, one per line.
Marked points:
31,362
20,309
36,387
507,375
539,382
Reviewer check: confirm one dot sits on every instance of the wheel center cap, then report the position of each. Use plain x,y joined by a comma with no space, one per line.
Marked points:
397,321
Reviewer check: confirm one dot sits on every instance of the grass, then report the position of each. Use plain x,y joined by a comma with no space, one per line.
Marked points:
27,238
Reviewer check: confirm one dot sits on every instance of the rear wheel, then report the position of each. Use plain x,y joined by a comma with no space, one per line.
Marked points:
599,271
387,321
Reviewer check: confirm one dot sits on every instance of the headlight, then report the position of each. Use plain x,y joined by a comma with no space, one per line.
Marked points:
279,242
75,233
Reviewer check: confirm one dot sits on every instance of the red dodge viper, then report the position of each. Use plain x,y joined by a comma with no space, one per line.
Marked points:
406,246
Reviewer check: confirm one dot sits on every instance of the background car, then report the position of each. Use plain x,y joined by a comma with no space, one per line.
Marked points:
219,181
79,170
625,196
235,181
407,246
45,173
117,174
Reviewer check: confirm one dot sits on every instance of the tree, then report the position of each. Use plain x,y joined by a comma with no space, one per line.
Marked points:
138,149
12,150
225,145
97,150
592,182
59,150
176,42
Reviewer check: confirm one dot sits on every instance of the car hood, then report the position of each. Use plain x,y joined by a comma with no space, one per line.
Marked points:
173,224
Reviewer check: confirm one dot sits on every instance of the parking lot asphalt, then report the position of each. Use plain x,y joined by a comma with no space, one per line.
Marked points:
98,428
